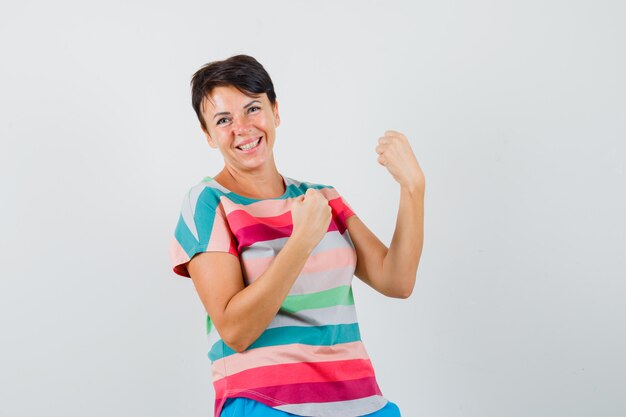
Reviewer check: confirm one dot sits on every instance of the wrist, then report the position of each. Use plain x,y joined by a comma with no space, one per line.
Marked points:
300,243
415,190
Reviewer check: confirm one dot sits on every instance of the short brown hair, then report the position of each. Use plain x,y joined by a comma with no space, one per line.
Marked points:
240,71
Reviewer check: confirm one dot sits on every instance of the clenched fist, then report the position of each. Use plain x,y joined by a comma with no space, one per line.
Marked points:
395,153
311,216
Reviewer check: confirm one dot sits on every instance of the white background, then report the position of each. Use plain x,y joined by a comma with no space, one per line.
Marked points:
515,110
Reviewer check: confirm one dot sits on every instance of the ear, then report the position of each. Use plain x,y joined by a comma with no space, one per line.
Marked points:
276,114
209,139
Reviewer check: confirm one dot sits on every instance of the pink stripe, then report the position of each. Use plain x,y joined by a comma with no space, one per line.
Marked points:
310,392
329,259
178,258
284,354
295,373
263,208
221,239
270,208
276,214
250,235
329,193
219,405
247,236
341,212
241,218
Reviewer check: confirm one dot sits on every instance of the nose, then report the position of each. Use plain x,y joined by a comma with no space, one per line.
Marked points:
241,125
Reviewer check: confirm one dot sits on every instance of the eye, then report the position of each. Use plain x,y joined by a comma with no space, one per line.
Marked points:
222,121
253,108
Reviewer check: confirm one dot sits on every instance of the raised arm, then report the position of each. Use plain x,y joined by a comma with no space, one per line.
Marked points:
392,271
239,313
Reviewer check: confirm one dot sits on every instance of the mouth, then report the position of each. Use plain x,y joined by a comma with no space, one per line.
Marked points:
248,147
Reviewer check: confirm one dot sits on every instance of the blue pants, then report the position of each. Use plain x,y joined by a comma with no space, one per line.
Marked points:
245,407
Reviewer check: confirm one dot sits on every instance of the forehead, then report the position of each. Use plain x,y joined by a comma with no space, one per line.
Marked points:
223,98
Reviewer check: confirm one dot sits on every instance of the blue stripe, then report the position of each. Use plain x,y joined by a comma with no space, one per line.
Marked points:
310,335
205,216
186,239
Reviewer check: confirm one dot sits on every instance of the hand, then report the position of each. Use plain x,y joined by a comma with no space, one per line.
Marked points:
311,216
395,153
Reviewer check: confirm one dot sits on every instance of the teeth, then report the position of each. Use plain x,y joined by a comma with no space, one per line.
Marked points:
250,145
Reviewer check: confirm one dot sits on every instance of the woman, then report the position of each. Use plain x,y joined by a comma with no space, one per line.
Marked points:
272,260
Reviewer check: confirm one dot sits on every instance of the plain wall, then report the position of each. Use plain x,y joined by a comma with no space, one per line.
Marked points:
516,111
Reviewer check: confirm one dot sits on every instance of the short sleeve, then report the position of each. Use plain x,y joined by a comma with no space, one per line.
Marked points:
202,227
340,207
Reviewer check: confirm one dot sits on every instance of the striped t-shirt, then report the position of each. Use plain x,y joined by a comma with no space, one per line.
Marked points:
310,360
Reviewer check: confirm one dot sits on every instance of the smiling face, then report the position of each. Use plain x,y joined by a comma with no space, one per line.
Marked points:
242,127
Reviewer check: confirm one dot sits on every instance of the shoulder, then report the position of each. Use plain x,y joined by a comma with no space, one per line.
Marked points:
335,200
205,193
302,186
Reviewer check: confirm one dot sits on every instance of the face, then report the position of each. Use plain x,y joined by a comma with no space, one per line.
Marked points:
241,127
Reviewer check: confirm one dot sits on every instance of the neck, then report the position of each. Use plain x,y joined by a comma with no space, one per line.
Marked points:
258,184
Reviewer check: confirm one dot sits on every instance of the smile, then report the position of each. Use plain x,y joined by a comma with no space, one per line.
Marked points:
250,145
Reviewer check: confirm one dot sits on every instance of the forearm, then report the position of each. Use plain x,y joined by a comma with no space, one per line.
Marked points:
402,259
251,310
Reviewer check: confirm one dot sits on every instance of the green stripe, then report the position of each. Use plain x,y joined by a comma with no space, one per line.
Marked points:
209,324
313,335
341,295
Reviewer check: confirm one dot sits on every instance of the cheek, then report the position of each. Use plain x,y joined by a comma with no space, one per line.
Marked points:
267,120
218,141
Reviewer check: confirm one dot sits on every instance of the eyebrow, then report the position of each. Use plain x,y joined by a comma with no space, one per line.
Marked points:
223,113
